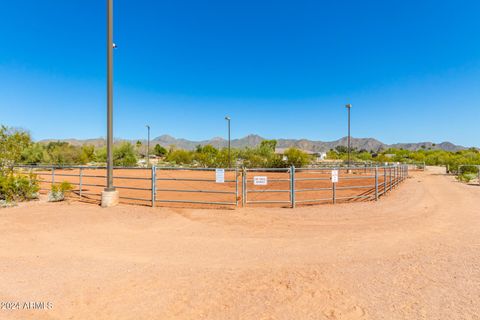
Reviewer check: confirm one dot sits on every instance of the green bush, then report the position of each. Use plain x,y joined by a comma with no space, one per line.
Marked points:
467,177
159,151
58,191
296,157
180,157
12,143
124,155
64,187
18,187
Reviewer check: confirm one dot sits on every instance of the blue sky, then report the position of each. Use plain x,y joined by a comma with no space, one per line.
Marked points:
411,69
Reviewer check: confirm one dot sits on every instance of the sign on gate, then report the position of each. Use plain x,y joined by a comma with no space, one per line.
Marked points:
219,175
260,180
334,176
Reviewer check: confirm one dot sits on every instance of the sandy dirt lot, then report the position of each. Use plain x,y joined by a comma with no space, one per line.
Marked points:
415,254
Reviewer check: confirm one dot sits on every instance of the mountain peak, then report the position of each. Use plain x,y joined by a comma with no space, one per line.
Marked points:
253,140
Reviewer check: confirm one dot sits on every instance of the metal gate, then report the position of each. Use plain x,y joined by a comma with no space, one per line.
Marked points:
195,186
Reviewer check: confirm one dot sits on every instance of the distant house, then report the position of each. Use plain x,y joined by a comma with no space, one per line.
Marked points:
319,156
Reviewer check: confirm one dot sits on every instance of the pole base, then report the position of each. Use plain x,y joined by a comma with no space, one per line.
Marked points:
110,199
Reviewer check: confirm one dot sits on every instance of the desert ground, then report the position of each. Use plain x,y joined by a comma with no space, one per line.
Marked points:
414,254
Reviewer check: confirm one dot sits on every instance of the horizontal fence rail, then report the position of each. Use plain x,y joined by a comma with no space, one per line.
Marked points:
229,187
315,185
196,186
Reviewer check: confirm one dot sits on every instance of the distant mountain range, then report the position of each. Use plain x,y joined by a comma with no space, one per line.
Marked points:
253,140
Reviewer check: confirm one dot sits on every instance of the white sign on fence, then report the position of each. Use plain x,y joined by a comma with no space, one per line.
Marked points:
219,175
260,180
334,176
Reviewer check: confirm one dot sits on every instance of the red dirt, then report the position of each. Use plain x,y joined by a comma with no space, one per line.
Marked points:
415,254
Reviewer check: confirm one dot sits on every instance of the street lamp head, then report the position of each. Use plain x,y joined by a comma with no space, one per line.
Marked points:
227,118
147,126
348,106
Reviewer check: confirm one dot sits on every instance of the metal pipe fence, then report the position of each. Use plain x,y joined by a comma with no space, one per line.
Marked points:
296,186
203,186
229,187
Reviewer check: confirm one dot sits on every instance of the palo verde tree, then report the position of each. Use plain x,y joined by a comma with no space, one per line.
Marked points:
14,187
296,157
160,151
12,144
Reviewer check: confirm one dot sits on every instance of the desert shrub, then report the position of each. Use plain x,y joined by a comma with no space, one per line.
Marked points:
252,158
467,177
62,153
124,155
270,145
12,143
206,156
15,187
159,151
468,169
262,156
180,157
58,191
87,154
59,153
101,154
34,154
296,157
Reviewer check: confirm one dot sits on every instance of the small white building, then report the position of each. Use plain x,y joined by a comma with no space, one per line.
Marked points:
319,156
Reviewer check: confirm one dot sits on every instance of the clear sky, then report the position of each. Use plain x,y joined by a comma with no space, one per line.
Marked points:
411,69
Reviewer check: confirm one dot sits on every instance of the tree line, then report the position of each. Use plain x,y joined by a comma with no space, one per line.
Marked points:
20,149
16,146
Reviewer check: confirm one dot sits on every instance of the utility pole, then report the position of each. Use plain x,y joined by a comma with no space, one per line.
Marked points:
349,106
229,148
110,195
148,146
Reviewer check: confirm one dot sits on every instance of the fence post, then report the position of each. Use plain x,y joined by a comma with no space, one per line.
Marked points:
390,179
478,174
376,183
244,187
334,190
80,181
292,186
154,184
334,187
53,176
236,187
394,183
396,176
384,180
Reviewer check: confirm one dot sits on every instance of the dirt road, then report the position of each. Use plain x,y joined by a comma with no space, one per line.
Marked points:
415,254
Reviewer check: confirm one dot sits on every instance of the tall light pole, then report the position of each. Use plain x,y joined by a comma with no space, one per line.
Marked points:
148,145
348,106
229,157
109,195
